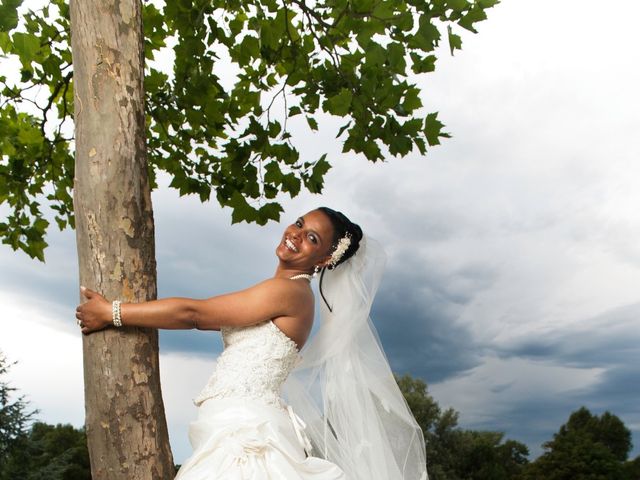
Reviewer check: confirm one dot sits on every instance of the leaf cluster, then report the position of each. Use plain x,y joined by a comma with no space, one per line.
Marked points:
454,453
587,447
14,413
51,452
36,161
219,122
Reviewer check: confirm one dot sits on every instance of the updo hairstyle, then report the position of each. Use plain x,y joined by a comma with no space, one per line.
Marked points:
342,227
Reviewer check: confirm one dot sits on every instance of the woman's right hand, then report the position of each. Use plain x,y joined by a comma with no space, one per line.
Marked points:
94,314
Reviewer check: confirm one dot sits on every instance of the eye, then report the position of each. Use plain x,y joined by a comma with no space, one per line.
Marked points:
298,223
313,238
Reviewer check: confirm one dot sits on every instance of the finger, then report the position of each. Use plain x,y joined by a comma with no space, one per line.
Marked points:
86,292
78,315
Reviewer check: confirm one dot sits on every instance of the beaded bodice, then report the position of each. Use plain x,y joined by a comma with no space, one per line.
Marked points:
254,364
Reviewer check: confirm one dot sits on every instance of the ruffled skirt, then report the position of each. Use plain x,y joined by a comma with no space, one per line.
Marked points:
236,439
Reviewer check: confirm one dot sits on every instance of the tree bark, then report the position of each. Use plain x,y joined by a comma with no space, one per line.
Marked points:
125,420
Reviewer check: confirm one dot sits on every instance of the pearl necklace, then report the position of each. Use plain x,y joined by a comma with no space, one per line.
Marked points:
302,275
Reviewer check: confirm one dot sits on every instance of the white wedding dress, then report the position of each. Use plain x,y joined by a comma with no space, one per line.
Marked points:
244,430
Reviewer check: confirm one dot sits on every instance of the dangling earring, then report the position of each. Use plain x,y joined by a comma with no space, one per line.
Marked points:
316,270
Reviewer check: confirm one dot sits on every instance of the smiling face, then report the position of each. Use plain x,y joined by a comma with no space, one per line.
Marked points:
306,242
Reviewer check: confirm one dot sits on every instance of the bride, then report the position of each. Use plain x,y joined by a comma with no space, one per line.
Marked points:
271,409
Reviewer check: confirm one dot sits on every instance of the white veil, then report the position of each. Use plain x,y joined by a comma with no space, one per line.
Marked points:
343,387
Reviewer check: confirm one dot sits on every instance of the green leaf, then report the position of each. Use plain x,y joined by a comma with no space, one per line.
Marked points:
242,211
236,25
340,103
40,226
5,42
427,36
295,110
35,249
274,129
372,151
273,174
315,182
375,56
269,36
343,128
26,46
476,14
62,223
26,74
249,48
29,135
9,14
291,184
363,6
397,61
269,211
458,5
313,124
412,100
433,129
423,65
384,10
399,145
455,42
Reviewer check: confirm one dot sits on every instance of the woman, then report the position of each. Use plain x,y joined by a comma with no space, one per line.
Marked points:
355,423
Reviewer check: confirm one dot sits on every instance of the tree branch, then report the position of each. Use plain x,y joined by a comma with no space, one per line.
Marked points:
310,12
52,98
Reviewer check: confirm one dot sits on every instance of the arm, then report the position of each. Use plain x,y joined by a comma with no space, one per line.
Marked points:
168,313
269,299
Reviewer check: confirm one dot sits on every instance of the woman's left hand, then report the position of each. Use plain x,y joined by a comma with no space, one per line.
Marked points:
94,314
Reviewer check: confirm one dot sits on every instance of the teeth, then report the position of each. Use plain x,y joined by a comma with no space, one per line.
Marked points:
289,244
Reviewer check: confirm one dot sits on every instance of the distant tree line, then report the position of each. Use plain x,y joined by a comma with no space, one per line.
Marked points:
35,450
587,447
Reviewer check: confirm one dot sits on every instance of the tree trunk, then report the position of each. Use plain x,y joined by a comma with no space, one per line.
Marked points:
125,421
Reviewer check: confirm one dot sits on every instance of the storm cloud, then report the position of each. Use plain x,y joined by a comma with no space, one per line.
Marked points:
513,253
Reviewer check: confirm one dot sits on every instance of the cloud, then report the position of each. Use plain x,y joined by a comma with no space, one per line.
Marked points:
528,386
48,353
53,283
611,338
415,314
526,399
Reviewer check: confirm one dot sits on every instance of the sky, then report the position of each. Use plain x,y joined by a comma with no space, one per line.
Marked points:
512,285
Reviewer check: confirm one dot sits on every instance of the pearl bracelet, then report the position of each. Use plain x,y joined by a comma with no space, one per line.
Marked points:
115,310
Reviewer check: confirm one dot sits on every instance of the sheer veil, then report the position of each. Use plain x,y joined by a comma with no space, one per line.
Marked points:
343,387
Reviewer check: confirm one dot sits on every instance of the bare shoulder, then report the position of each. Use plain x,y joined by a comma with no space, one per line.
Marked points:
297,323
294,296
285,288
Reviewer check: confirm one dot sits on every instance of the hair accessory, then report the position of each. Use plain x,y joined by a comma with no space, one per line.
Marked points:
115,310
316,270
338,253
